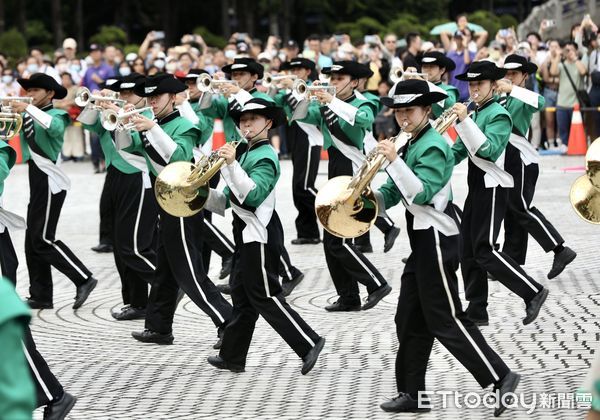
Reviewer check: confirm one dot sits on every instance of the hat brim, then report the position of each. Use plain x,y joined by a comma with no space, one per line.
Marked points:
274,113
425,99
496,74
528,68
253,68
48,84
140,89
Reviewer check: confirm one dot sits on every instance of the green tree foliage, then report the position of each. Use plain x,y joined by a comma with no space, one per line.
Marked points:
110,35
491,22
36,33
211,39
404,23
13,44
363,26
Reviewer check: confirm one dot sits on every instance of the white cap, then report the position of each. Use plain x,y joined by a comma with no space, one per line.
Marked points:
131,57
69,43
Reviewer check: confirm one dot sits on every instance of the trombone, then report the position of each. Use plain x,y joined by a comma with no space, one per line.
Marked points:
270,80
112,120
585,191
206,83
301,89
83,97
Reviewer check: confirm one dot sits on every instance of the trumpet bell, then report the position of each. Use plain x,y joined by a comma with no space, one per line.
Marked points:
592,163
339,215
172,190
585,199
203,82
109,120
82,97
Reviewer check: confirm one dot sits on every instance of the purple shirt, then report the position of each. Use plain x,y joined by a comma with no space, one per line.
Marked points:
104,71
461,67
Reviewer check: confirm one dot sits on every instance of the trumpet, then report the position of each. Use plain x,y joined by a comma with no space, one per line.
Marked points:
300,88
83,97
112,120
206,83
407,75
396,74
585,191
270,80
16,99
182,188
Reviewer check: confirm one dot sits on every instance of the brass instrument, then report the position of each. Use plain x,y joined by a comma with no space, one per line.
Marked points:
345,206
270,80
11,122
585,191
300,88
206,83
408,75
112,120
182,188
83,97
396,74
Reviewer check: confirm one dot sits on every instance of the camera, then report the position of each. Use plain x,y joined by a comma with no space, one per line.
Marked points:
371,39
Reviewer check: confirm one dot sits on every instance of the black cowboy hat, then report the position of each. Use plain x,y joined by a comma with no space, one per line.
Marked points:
352,68
245,64
519,63
439,59
128,82
263,107
298,62
193,74
482,70
43,81
413,92
157,84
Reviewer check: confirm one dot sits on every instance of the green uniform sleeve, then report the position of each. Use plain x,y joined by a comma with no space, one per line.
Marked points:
459,151
264,175
136,145
391,194
185,144
364,117
58,125
313,116
431,170
497,132
17,392
4,168
217,108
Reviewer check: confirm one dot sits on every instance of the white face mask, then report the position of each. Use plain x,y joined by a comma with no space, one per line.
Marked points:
6,79
75,68
32,68
159,64
230,54
124,71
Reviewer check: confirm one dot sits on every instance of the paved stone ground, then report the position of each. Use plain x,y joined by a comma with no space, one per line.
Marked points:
118,378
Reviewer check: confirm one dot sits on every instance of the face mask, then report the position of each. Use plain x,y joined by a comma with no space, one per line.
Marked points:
171,67
32,68
159,63
75,68
124,71
230,54
6,79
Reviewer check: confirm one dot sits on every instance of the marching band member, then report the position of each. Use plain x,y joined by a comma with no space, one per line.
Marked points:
483,138
258,234
343,120
213,238
521,162
429,305
42,137
49,391
131,202
179,262
305,142
435,64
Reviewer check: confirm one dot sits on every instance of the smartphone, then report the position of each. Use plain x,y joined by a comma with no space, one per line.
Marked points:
370,39
242,36
159,34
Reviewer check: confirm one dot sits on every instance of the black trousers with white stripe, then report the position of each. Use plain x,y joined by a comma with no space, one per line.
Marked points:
384,224
106,213
305,161
255,291
179,265
347,265
429,307
521,218
134,235
482,216
42,249
214,240
47,387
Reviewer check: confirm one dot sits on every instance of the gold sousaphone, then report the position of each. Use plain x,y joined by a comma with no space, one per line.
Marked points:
585,191
11,122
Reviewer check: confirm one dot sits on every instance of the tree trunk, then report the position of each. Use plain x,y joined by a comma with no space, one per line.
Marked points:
2,21
21,15
273,19
288,6
57,24
225,22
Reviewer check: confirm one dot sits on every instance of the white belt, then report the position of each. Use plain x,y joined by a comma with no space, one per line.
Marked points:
528,153
57,179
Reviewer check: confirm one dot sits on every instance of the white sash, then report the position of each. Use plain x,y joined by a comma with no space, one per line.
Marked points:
57,179
139,163
315,137
494,175
351,152
528,153
10,220
426,216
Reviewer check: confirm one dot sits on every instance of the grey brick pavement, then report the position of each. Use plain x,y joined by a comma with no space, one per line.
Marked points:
115,377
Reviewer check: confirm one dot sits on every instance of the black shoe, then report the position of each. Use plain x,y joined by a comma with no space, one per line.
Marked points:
224,288
403,403
478,317
507,384
365,249
226,266
128,313
305,241
58,410
220,334
404,260
390,238
290,285
103,248
219,363
83,292
149,336
533,307
311,357
342,307
374,298
34,304
480,322
561,260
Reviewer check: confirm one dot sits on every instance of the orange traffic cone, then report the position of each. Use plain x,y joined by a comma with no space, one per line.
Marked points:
218,137
15,143
324,154
577,142
451,132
